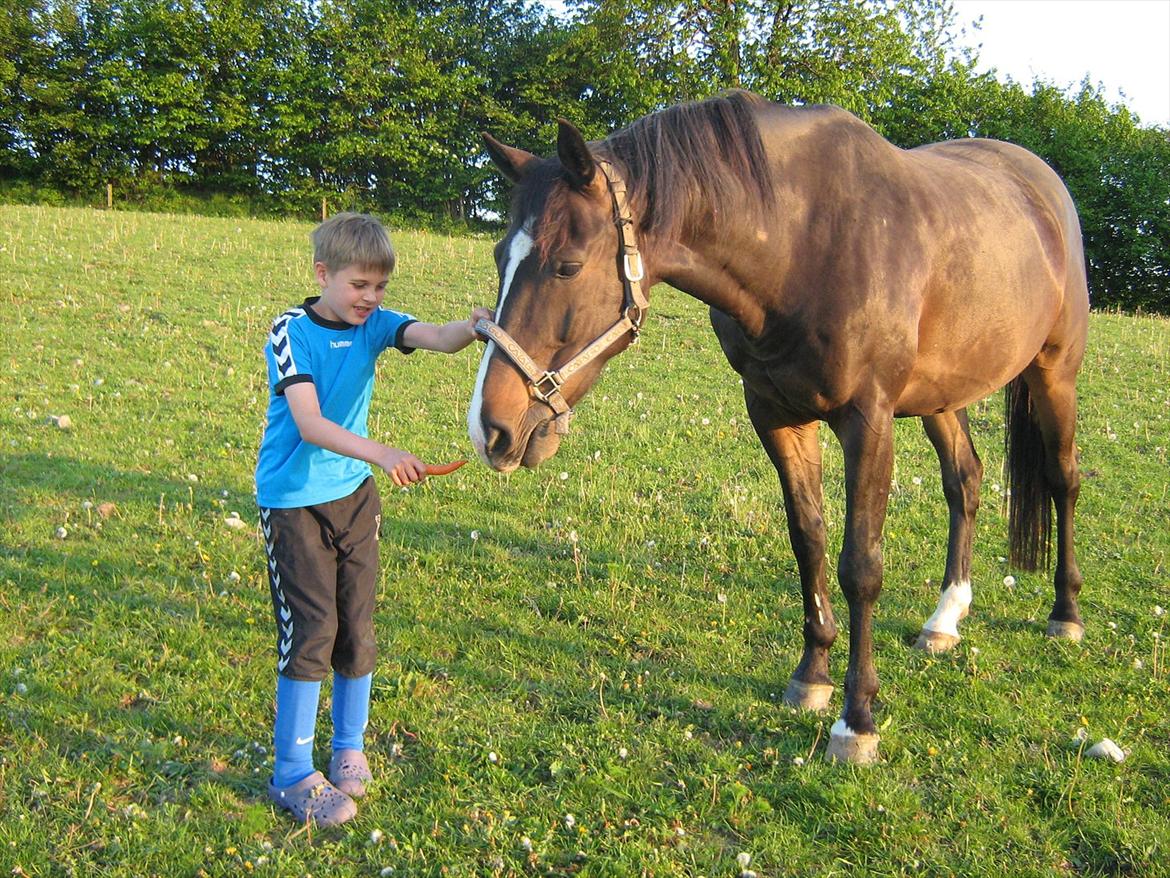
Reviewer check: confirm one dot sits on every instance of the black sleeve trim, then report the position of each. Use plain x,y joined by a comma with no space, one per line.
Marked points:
291,379
398,337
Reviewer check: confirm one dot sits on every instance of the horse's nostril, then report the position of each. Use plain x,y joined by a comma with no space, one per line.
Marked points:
496,439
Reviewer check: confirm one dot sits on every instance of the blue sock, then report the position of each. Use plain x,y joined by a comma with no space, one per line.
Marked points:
351,711
296,719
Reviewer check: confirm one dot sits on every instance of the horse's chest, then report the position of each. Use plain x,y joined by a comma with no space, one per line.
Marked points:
799,373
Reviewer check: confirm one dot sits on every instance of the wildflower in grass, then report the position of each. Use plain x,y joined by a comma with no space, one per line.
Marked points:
376,836
798,760
62,533
917,480
387,871
1159,611
570,821
743,859
1137,664
1009,580
86,505
564,476
474,535
493,758
623,753
233,577
21,689
1112,626
526,843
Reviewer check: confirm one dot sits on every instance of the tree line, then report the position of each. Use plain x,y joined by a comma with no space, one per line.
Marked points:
272,105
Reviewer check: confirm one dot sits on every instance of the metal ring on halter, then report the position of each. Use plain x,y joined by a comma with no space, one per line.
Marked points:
554,381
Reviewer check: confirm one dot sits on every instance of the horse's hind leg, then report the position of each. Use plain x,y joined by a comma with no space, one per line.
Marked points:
962,475
795,453
1054,409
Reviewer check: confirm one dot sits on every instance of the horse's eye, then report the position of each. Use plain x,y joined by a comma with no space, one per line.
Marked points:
568,269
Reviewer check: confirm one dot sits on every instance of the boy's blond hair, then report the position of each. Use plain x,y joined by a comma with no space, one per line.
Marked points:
347,239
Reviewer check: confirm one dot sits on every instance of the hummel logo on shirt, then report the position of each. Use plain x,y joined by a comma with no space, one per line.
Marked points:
341,344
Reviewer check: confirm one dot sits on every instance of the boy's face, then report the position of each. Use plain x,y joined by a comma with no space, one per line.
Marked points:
351,294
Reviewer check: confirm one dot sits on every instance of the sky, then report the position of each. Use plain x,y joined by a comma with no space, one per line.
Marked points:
1122,44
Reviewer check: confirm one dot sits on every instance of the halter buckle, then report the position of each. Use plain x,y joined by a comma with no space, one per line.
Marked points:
632,275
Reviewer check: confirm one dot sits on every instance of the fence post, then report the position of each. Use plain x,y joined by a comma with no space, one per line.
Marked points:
109,196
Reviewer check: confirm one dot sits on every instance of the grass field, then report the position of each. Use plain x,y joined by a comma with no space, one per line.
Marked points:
581,666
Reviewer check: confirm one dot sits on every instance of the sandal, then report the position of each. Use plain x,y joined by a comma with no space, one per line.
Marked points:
314,798
348,771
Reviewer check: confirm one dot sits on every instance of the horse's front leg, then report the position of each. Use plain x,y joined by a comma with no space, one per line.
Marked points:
867,440
795,453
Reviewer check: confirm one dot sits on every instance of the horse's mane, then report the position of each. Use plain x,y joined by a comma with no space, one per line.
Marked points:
703,150
706,152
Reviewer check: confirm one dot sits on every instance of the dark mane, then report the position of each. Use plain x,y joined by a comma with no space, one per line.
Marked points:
706,152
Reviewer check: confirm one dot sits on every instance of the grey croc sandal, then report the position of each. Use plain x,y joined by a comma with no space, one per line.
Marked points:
349,771
314,798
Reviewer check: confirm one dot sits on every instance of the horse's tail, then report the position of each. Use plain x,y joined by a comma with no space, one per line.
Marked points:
1029,502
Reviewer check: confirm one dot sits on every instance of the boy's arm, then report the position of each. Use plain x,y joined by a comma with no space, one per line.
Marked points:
402,466
444,337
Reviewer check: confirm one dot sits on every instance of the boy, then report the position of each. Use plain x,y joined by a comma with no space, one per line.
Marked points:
319,507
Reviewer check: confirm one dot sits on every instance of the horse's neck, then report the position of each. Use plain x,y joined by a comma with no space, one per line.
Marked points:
717,274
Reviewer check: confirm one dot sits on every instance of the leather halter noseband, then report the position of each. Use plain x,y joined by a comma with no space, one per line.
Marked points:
545,384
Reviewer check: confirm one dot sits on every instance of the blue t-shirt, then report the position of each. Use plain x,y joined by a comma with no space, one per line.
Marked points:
339,359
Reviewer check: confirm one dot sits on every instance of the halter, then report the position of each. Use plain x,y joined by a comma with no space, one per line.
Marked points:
545,384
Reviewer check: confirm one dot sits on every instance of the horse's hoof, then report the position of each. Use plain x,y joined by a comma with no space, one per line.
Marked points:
934,642
1073,631
848,746
808,696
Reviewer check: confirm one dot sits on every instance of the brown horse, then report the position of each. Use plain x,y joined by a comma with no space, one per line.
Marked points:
850,282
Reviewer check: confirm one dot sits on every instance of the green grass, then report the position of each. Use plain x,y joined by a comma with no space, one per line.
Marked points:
618,634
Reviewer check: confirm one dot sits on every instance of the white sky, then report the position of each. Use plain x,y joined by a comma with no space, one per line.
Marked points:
1122,44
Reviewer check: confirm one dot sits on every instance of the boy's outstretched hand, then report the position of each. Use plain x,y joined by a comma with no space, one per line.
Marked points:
478,314
402,467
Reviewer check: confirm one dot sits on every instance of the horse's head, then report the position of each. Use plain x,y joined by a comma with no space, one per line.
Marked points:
565,305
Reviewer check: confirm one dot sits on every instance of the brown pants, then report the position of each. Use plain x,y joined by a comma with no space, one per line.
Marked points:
323,572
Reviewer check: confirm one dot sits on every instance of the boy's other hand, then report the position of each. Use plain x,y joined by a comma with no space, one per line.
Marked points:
402,467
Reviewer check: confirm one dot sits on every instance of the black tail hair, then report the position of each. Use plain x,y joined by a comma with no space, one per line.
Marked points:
1029,501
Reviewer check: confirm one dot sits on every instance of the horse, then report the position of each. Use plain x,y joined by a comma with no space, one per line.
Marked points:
849,282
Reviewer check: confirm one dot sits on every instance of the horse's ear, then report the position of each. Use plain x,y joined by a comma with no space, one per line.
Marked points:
511,161
575,156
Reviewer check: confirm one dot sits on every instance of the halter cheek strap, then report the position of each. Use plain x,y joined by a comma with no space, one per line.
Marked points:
545,384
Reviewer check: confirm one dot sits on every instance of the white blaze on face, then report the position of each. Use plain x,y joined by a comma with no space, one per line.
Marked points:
952,606
520,247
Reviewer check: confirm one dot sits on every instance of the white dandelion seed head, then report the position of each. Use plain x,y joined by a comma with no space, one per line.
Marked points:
743,859
62,533
1009,580
917,480
474,535
623,753
1159,610
570,821
493,757
564,476
798,760
376,836
526,843
21,689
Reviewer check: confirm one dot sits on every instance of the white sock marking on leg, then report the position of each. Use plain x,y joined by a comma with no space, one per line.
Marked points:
952,604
